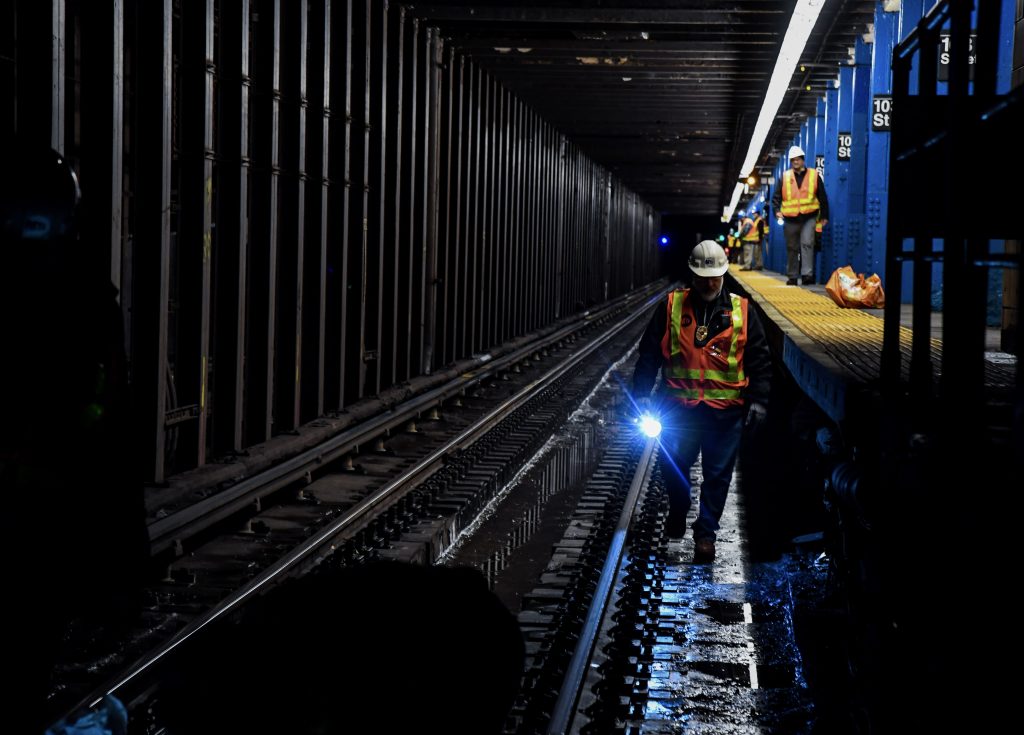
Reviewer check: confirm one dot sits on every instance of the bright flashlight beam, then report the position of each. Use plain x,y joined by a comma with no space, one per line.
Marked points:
805,15
650,426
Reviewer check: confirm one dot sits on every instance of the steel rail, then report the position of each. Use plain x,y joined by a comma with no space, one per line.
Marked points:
572,683
198,516
322,538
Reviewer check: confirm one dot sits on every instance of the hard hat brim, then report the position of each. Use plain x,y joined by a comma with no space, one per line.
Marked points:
710,272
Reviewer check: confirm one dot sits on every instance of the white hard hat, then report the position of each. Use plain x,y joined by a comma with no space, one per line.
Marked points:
796,152
708,259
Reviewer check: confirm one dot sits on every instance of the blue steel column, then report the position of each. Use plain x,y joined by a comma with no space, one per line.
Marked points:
838,186
819,143
1003,60
828,150
878,145
777,242
818,149
1004,282
911,12
857,183
1004,63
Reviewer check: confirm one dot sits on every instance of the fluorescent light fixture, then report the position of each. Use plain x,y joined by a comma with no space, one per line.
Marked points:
805,15
736,193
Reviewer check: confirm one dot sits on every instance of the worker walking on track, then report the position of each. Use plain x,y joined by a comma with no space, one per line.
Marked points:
801,203
716,370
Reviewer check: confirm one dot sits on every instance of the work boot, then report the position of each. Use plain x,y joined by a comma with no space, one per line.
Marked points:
808,280
790,281
703,550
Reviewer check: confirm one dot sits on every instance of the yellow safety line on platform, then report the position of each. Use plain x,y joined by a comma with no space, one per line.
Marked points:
852,336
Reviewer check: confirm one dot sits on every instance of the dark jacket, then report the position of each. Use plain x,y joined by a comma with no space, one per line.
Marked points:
820,195
757,364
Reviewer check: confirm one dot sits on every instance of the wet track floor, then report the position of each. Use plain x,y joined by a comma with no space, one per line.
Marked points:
731,663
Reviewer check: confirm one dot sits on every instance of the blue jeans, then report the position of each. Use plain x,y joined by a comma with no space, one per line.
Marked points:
715,433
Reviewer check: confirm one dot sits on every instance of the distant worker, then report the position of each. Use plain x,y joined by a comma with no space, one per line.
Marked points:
73,513
716,369
752,234
735,252
801,202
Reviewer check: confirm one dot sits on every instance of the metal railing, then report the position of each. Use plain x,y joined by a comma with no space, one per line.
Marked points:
175,527
934,144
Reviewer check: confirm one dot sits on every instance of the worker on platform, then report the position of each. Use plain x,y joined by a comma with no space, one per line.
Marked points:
800,202
716,370
752,234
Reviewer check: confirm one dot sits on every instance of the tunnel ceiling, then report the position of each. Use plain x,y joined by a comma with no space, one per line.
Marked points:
665,94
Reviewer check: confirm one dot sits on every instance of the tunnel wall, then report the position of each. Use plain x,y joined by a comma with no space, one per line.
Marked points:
304,203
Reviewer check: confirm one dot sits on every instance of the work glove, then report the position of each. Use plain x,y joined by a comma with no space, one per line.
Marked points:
643,405
756,415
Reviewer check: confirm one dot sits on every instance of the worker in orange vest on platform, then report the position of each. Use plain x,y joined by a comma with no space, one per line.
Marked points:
752,232
800,201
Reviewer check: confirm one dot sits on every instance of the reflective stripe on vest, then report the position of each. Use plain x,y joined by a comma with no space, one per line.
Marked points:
692,374
751,235
707,394
801,199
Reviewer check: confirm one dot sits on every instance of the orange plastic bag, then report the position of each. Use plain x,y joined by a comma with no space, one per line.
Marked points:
852,290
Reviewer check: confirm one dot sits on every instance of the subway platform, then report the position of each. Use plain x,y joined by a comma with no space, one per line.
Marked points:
834,353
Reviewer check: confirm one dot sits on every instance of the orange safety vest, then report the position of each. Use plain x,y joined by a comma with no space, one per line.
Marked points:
801,199
751,235
712,374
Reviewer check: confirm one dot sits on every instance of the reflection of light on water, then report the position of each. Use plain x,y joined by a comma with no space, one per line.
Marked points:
748,619
657,709
585,408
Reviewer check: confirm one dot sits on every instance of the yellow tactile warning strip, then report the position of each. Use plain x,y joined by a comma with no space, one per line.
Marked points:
852,337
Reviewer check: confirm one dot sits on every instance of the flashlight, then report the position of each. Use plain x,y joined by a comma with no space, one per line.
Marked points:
649,426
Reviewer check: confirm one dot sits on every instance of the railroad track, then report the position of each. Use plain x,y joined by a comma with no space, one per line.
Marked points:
569,614
625,634
403,485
